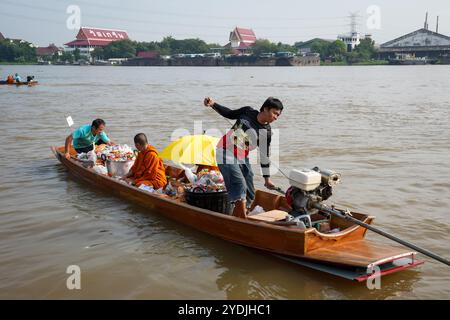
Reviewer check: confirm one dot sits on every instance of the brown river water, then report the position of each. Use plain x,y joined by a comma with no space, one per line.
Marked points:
386,129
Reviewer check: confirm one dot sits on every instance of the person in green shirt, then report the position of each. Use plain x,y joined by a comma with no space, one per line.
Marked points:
86,136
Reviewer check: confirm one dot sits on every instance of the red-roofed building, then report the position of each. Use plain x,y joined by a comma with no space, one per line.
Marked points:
50,50
148,54
241,39
88,39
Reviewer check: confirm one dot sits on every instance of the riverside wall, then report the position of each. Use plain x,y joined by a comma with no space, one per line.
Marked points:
233,61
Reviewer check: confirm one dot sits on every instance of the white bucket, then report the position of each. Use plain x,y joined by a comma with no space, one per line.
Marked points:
118,168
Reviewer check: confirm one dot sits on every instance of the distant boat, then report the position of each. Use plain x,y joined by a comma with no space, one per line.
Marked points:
445,59
22,83
408,59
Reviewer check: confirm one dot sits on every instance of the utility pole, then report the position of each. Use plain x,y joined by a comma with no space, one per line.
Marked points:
353,22
437,24
425,26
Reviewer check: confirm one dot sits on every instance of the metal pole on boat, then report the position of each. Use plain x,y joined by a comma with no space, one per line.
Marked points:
346,216
367,226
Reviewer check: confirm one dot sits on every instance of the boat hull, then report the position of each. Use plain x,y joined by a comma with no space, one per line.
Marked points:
290,242
33,83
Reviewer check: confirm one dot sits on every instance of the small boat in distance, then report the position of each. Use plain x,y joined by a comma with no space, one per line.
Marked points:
410,59
22,83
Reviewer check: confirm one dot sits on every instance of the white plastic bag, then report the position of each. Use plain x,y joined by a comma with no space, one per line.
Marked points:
257,210
92,156
146,188
100,169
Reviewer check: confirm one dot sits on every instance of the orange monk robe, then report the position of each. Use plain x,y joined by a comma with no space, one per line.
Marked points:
149,169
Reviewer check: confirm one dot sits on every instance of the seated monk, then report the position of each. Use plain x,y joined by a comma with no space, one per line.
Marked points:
148,168
10,79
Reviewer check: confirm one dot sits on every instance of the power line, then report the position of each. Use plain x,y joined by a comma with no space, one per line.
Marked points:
228,27
270,18
146,31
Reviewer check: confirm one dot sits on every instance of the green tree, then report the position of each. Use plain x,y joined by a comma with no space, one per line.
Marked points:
76,54
264,46
7,51
173,46
55,57
98,53
120,49
147,46
336,50
17,51
366,49
363,52
320,47
282,47
214,45
66,57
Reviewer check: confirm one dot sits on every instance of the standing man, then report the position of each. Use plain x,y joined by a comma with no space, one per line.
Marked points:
86,136
251,130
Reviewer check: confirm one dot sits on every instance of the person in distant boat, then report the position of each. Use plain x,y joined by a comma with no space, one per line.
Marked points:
148,169
251,130
10,79
17,78
30,79
86,136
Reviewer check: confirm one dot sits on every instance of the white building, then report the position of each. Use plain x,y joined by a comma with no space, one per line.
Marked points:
351,40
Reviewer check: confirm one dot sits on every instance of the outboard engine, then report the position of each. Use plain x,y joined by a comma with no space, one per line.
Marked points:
309,187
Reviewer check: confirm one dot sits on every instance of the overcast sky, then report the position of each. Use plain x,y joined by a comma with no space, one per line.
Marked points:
288,21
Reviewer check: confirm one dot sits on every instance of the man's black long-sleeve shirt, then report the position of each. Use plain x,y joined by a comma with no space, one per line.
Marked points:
246,134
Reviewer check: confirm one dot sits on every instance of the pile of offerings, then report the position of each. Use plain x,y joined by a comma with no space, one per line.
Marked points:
208,181
116,153
118,159
208,192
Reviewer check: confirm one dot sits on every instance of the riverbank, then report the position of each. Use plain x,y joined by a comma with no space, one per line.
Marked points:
6,63
200,62
232,61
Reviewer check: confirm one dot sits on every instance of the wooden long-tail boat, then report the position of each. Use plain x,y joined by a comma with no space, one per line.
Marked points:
345,253
22,83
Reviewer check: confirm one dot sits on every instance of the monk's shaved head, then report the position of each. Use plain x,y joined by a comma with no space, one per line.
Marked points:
140,139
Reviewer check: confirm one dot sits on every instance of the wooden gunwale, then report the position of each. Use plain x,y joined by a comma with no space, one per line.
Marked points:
283,240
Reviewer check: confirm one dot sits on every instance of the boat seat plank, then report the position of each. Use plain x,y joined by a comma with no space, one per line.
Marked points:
357,253
269,216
